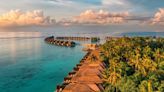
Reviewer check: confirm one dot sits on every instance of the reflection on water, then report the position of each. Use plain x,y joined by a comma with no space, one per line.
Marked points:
30,64
19,34
11,48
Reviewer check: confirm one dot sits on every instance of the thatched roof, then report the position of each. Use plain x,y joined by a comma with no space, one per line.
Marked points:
88,76
77,87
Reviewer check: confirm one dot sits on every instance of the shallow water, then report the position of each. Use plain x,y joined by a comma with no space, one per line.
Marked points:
29,64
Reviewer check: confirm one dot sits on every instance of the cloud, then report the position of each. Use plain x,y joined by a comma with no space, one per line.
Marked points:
113,2
19,18
100,17
67,3
118,5
65,22
158,17
37,18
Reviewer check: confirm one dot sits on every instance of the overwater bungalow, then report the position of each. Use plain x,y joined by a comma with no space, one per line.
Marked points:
67,79
51,40
86,76
79,87
71,74
73,38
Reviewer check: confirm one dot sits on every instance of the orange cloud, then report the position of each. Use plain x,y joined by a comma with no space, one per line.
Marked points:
158,17
100,17
19,18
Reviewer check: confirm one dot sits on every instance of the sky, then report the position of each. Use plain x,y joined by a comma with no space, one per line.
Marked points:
70,12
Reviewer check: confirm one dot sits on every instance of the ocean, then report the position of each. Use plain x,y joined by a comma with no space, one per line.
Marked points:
28,64
31,65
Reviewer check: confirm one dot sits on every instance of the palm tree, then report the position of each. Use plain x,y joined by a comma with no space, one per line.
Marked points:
149,84
158,57
146,86
92,58
114,78
115,71
143,65
148,64
127,85
141,55
143,86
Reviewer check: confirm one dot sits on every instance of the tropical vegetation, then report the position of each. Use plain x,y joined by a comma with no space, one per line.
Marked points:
95,39
134,64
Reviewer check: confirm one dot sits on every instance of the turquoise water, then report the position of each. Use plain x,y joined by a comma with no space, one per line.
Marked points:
31,65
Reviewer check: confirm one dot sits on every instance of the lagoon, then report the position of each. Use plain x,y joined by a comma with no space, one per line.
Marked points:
29,64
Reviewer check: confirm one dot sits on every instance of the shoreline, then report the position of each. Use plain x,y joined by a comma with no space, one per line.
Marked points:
87,76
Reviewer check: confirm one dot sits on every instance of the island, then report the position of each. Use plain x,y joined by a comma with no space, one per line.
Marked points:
121,64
